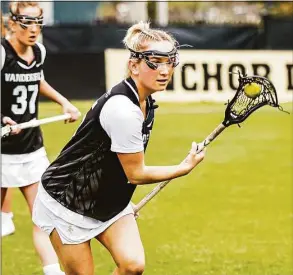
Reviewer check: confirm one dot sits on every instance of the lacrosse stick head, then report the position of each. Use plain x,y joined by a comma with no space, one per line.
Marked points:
243,105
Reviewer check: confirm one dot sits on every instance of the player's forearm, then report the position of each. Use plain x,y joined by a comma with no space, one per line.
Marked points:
48,91
153,174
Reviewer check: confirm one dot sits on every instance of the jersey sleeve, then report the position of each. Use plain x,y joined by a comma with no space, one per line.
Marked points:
3,56
43,57
122,120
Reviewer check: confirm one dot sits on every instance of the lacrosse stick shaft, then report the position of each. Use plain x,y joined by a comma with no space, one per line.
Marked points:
36,123
33,123
161,185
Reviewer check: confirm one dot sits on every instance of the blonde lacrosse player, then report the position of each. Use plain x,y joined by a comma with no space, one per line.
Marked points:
85,193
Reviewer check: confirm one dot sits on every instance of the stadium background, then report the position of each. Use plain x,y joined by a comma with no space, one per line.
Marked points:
233,215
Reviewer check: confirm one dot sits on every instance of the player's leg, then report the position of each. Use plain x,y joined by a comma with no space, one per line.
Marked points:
71,243
41,240
76,259
6,207
3,195
122,239
30,174
7,224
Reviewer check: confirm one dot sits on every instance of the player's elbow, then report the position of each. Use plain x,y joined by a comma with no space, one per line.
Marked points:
134,170
135,181
136,177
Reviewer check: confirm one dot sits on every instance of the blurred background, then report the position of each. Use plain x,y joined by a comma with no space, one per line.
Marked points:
79,33
234,214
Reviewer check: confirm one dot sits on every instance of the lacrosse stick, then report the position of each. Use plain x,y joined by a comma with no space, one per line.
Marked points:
238,109
5,131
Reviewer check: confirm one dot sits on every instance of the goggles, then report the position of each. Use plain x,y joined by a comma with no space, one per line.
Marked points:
26,21
153,58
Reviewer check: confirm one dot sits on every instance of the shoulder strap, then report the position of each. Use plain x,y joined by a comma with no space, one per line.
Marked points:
38,52
3,56
3,52
43,51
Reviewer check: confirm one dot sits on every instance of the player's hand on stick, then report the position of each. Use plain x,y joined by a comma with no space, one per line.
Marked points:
8,121
72,110
192,159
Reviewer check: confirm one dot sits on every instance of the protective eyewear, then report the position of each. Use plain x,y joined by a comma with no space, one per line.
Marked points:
149,56
26,21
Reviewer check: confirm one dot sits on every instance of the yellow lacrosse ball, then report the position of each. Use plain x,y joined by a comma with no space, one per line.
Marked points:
252,90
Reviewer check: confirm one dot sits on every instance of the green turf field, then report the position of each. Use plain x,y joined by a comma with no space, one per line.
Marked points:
232,215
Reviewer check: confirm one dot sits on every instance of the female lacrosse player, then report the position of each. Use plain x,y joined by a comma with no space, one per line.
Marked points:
23,155
7,225
86,192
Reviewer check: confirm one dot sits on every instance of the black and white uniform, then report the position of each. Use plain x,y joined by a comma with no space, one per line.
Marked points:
85,189
24,158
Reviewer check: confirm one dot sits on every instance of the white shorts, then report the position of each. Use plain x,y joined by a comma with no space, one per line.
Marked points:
72,228
19,171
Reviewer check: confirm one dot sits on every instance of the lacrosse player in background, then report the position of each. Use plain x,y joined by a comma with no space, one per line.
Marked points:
7,224
85,193
24,158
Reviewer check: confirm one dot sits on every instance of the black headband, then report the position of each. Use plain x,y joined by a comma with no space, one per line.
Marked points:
141,55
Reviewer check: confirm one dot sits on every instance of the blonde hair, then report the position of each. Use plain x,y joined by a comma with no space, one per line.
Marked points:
15,6
140,34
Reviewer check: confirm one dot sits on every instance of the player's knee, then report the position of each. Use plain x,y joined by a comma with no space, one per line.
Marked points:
133,266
